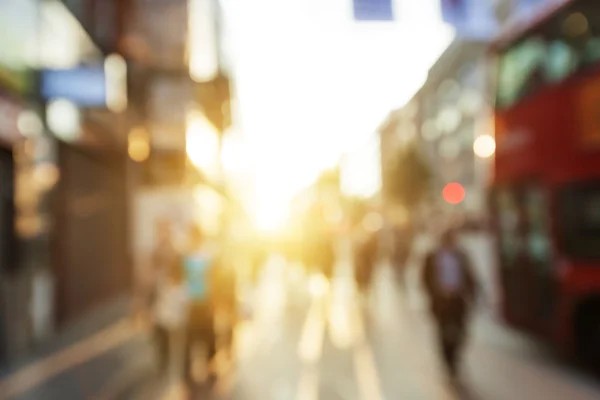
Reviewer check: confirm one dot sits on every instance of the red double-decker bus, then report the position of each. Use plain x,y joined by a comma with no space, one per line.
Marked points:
546,187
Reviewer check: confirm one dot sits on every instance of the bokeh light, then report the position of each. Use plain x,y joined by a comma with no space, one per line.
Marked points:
454,193
484,146
138,145
202,144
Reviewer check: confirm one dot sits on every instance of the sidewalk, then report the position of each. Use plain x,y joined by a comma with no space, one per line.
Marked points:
99,357
499,362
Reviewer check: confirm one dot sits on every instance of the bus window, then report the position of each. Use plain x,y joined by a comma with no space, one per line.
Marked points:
538,235
580,222
562,61
592,51
508,221
556,50
519,69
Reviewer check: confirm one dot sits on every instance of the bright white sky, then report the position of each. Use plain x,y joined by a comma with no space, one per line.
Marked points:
312,83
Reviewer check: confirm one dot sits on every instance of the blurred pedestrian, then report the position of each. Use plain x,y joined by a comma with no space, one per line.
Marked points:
365,260
320,243
163,258
401,243
201,263
171,318
450,284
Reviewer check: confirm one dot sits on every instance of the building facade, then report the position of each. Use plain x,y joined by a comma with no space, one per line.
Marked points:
455,104
64,151
454,107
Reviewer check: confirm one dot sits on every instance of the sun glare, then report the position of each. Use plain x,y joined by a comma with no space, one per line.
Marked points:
321,85
271,218
202,143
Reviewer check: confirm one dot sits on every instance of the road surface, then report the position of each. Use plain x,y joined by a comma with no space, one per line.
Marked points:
309,341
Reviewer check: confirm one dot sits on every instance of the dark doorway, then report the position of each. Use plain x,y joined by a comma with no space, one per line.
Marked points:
91,232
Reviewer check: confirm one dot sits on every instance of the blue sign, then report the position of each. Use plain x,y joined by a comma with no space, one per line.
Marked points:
530,3
454,12
84,86
472,19
373,10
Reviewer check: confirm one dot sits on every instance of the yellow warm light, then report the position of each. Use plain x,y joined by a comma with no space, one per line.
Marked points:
300,134
318,285
484,146
271,217
210,208
138,145
232,154
372,222
202,143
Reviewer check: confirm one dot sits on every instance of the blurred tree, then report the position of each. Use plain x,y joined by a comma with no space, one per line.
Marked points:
329,179
355,209
409,178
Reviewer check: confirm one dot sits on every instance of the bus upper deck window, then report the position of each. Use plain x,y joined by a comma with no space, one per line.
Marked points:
519,69
561,62
592,51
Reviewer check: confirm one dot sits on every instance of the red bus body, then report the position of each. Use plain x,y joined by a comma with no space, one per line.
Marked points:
546,142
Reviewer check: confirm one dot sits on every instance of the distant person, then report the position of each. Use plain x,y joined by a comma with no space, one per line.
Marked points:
450,284
320,243
365,260
326,255
401,244
163,257
171,316
200,262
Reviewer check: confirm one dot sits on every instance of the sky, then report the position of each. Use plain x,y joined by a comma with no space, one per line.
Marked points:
312,84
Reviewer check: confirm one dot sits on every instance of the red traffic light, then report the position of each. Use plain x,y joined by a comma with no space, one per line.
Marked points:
454,193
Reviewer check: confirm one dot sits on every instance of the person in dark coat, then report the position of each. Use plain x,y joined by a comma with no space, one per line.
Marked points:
365,261
450,283
402,240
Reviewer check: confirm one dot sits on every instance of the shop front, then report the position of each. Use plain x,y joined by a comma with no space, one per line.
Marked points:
87,259
11,308
90,238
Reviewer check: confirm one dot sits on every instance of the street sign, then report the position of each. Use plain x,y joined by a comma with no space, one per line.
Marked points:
471,18
84,86
373,10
